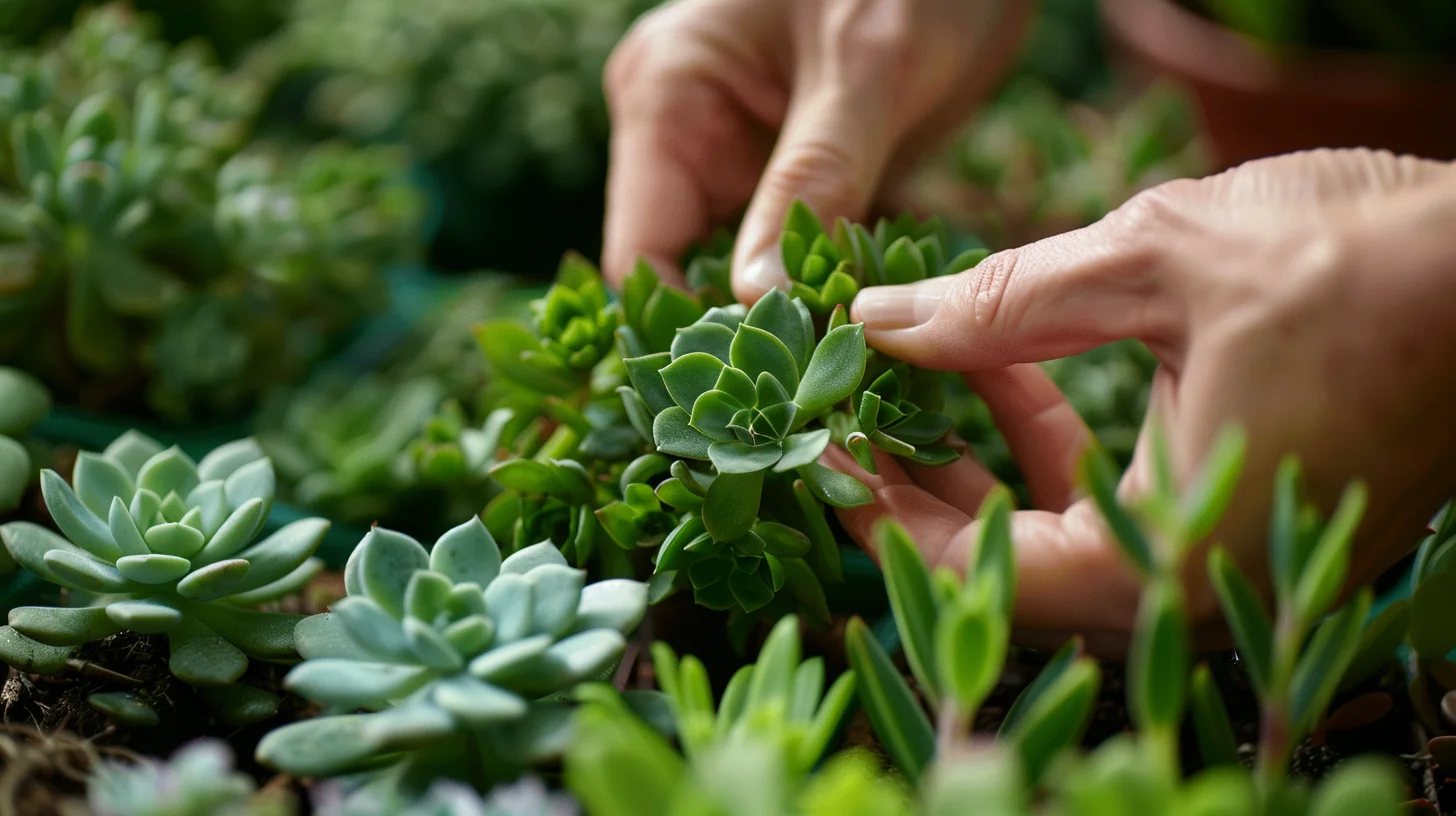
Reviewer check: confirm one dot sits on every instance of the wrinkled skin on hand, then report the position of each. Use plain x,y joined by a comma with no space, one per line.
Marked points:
1303,297
718,104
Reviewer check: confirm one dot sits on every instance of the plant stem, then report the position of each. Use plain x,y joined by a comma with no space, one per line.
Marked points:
952,729
1275,738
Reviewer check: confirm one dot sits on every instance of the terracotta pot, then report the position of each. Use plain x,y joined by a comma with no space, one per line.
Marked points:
1255,103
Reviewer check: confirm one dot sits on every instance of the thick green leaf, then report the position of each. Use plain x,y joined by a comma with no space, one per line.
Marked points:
1208,497
1324,573
214,581
971,641
1287,552
780,316
802,449
645,374
756,352
467,553
1050,674
674,435
1057,719
170,471
1252,631
834,488
995,554
84,572
1098,473
79,524
690,376
351,684
1158,665
738,458
714,412
907,582
202,658
97,480
893,710
834,371
30,656
234,533
148,617
261,635
62,626
708,338
1364,786
320,747
732,504
153,569
616,765
1323,663
285,551
1211,723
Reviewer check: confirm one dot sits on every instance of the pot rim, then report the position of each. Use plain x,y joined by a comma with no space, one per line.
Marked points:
1192,47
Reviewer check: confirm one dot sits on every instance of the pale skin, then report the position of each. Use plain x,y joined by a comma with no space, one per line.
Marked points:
1304,297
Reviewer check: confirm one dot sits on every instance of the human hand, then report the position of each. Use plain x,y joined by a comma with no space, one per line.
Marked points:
1303,297
720,103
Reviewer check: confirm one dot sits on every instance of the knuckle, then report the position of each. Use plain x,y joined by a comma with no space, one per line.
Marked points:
821,171
637,63
876,32
977,296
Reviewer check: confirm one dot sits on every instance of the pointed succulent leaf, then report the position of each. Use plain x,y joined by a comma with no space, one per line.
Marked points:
235,532
371,628
153,568
201,657
62,626
430,647
477,703
214,581
97,480
673,434
170,471
506,664
383,563
834,488
147,617
124,530
509,600
77,522
689,376
320,747
84,572
174,538
802,449
555,596
834,371
732,504
646,377
536,555
28,543
708,338
756,352
737,458
225,460
427,594
287,549
781,317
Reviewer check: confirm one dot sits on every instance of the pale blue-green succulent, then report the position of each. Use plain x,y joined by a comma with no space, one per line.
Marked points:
451,653
198,780
157,544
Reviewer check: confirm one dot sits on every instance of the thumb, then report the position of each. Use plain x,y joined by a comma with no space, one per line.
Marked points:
1059,296
831,153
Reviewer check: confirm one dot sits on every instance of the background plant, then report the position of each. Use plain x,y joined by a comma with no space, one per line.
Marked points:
152,255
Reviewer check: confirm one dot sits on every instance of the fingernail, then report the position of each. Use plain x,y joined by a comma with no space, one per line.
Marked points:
886,308
765,272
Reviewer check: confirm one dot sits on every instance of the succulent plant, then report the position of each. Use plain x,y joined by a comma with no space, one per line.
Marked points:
508,83
450,652
24,402
199,780
525,797
571,330
775,718
156,544
826,271
898,413
151,256
731,401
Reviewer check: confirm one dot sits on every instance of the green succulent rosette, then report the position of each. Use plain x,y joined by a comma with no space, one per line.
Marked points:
198,780
159,545
898,413
733,401
827,270
452,653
